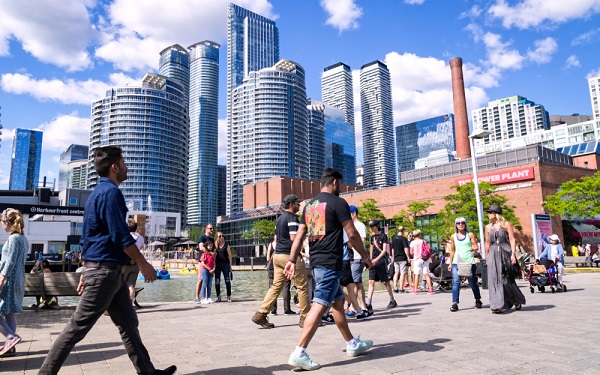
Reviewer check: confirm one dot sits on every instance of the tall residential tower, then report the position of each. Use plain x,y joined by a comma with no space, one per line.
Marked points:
594,85
71,154
252,44
269,133
203,178
378,125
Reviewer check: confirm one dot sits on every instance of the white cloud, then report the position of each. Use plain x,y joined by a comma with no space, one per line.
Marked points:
65,130
593,73
533,13
572,62
136,31
586,38
4,178
66,92
544,49
55,32
500,54
222,142
343,14
472,13
422,87
414,2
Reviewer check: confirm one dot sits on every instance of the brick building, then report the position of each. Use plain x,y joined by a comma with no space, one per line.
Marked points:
525,176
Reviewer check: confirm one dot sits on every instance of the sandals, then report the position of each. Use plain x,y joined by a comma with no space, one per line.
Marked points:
496,311
518,306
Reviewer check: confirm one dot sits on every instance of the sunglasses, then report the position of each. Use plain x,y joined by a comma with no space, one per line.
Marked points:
461,223
220,236
210,228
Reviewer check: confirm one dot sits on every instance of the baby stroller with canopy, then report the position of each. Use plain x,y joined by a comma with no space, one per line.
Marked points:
542,275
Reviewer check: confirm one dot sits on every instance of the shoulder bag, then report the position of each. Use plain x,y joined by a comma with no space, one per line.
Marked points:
464,268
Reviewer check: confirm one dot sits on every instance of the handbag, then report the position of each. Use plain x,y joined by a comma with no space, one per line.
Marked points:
508,269
464,268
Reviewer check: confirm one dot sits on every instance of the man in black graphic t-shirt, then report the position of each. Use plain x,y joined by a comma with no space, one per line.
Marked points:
323,220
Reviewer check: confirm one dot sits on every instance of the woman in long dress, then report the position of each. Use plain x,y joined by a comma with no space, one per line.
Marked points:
12,278
504,292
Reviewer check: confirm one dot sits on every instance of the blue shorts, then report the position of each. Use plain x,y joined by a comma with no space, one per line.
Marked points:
357,267
328,289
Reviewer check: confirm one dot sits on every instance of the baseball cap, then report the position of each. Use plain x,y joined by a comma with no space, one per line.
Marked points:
291,199
374,223
353,209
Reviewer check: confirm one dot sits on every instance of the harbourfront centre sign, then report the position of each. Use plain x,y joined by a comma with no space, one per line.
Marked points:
36,209
504,177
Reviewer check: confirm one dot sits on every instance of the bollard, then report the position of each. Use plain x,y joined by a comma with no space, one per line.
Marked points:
484,278
252,263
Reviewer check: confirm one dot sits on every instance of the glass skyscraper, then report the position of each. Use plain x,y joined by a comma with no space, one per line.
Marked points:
25,161
252,44
149,122
336,89
269,133
203,178
331,142
377,125
316,139
72,153
174,63
418,139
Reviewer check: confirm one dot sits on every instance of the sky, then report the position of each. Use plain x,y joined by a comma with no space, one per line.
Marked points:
56,57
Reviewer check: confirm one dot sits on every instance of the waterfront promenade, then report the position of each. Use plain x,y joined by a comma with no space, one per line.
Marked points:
552,334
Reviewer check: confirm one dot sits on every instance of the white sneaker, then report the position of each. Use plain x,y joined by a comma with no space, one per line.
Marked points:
204,301
210,300
361,347
304,362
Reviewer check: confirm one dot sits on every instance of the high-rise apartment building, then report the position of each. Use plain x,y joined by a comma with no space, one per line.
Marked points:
377,125
222,197
174,63
418,139
594,85
510,117
149,122
71,154
269,129
316,139
337,92
203,178
77,174
336,89
252,44
26,158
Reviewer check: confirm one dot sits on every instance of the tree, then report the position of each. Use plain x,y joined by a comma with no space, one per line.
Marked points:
194,233
463,203
576,198
262,230
369,211
408,218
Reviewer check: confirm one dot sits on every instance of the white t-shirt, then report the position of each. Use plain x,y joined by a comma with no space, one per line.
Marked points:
362,230
139,240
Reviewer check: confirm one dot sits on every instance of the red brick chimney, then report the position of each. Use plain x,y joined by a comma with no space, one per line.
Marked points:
461,122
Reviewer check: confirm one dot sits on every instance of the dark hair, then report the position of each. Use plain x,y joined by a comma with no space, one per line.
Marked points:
330,174
132,226
105,157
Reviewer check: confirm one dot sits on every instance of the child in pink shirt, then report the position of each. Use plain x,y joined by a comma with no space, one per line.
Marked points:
207,263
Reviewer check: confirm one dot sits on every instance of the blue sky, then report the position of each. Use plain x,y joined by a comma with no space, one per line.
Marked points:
58,56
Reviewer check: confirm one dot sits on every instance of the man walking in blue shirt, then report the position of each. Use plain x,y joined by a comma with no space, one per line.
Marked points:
107,245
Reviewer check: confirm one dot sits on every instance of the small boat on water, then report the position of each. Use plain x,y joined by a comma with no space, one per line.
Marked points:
189,271
161,274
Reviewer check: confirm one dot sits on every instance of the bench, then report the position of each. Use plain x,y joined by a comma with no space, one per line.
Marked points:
57,284
586,264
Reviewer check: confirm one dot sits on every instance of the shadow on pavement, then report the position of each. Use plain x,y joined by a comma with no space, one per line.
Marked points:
244,370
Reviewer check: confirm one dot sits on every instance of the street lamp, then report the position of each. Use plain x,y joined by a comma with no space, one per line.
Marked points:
479,134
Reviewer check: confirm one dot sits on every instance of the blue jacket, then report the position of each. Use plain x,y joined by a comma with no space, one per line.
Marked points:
548,249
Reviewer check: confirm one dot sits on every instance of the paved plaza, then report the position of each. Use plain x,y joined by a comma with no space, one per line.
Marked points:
552,334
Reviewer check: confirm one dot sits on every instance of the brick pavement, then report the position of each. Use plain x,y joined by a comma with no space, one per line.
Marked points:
553,334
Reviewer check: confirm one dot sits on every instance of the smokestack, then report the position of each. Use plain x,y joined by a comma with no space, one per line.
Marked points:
461,122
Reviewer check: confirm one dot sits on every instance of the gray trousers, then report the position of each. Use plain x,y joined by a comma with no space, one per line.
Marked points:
104,290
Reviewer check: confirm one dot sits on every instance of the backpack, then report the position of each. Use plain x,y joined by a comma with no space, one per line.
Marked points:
425,251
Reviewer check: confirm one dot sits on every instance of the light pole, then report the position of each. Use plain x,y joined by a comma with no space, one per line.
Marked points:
479,134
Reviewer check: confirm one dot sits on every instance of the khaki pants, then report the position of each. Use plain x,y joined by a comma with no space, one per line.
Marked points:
279,279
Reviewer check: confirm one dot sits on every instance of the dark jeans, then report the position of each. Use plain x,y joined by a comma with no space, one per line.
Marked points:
456,283
103,290
225,268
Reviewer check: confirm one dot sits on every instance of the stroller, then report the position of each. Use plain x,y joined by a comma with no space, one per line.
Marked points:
543,275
